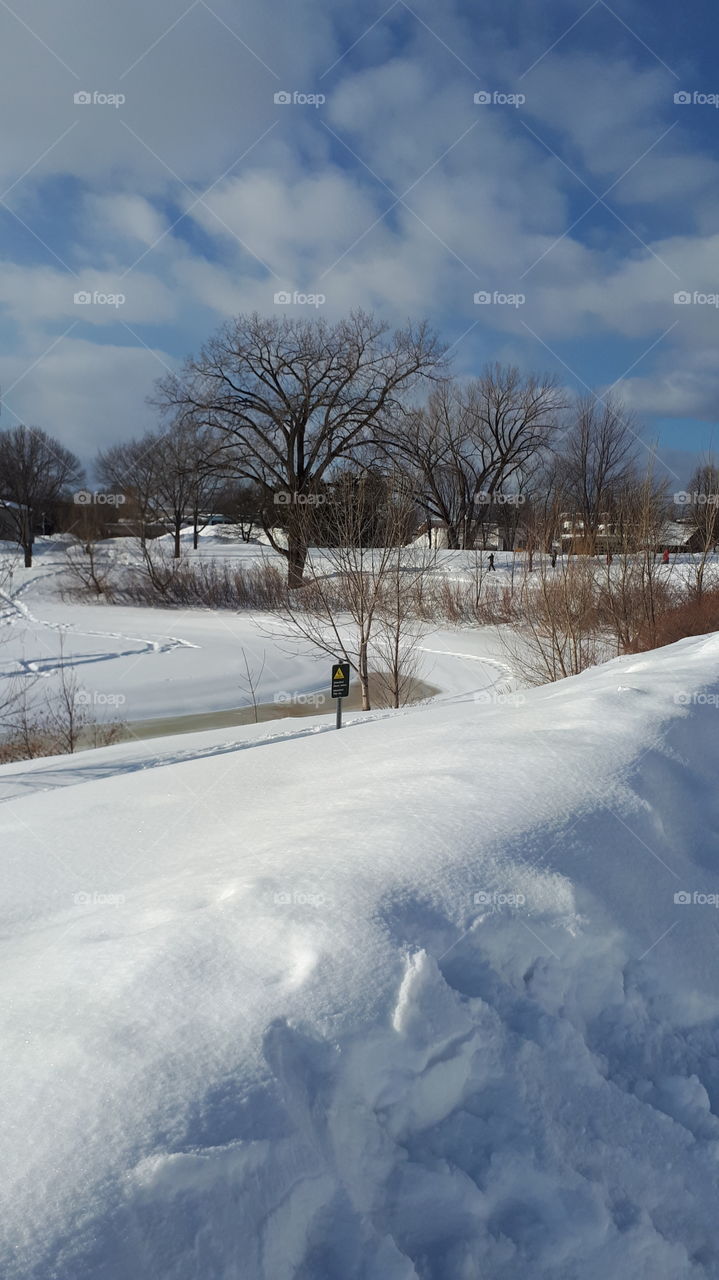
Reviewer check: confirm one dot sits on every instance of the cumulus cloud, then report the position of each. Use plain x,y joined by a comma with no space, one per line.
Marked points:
199,195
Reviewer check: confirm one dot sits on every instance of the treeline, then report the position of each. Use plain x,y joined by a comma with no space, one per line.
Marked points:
276,420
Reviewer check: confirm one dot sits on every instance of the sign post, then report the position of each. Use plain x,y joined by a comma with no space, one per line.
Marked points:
340,685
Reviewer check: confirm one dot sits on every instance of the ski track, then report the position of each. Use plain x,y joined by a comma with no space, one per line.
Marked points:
500,685
78,772
17,609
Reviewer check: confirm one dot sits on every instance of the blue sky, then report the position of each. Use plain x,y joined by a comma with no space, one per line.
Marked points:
580,198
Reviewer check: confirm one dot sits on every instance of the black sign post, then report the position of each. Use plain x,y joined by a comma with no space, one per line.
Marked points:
340,685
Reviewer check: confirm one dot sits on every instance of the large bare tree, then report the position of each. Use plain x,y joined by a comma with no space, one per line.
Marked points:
290,398
598,460
469,440
35,471
131,469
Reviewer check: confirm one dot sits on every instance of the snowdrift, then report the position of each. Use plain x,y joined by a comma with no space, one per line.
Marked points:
433,998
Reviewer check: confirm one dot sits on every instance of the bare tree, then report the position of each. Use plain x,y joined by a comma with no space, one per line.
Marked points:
251,680
352,593
35,471
131,469
468,441
703,510
598,457
176,472
400,624
88,560
289,398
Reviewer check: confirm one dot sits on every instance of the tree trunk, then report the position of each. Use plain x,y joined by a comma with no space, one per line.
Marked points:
176,551
27,548
296,559
363,674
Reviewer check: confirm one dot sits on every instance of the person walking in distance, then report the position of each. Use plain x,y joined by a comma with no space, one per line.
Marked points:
554,559
665,556
491,560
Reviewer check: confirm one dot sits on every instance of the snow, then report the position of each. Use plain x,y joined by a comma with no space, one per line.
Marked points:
411,1002
148,663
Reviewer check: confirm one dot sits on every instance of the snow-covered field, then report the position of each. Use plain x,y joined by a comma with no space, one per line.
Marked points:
145,663
436,998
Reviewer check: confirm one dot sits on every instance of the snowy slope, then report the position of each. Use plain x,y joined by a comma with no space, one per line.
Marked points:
415,1000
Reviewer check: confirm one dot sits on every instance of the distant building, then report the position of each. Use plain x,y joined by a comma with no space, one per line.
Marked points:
576,539
491,536
676,536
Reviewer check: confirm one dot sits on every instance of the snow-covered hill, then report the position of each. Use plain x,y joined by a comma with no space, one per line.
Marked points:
418,1000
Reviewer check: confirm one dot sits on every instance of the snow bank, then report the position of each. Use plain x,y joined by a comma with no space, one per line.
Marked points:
424,1000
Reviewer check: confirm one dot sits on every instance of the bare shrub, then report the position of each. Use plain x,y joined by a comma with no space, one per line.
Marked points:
208,584
696,615
88,567
559,630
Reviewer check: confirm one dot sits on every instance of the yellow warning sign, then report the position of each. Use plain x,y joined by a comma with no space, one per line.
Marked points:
341,680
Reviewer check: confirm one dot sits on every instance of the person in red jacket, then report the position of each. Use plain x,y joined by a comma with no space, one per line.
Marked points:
665,556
